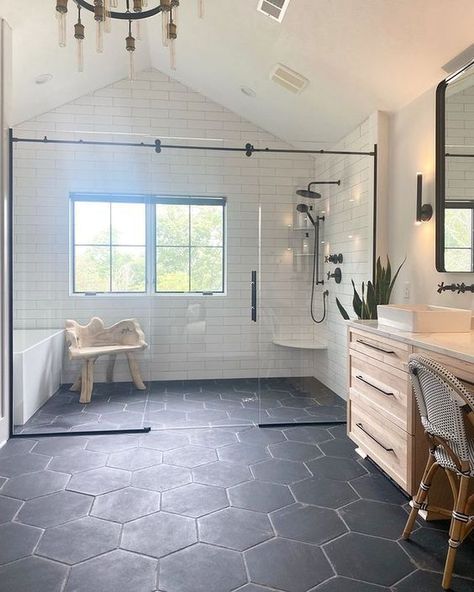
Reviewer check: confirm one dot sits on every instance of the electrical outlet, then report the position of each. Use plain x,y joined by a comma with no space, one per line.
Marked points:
406,291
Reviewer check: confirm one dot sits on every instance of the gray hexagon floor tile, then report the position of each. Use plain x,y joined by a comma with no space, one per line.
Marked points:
340,469
99,481
261,436
161,477
118,571
135,459
426,581
190,456
260,496
287,565
221,474
54,509
17,541
244,453
112,443
79,540
163,440
17,446
339,584
280,471
194,500
21,464
81,460
375,518
202,568
8,508
159,534
362,557
59,446
126,504
308,524
324,492
339,447
295,451
32,574
213,438
377,487
309,434
33,485
235,528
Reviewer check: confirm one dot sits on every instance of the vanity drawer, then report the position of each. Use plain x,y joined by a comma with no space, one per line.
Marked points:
382,440
460,369
387,388
391,352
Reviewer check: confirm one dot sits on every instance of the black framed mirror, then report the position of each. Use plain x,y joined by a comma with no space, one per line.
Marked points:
455,172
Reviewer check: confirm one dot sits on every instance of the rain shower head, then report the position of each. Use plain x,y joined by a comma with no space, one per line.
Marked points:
309,194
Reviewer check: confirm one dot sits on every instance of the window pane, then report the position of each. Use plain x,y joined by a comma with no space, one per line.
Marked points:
91,223
458,259
128,224
458,227
206,269
128,269
92,269
172,225
172,269
207,226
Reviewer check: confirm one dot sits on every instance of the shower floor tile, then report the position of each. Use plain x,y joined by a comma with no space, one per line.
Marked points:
188,404
170,517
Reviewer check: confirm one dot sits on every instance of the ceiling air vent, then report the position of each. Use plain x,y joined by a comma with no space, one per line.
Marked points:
275,9
289,79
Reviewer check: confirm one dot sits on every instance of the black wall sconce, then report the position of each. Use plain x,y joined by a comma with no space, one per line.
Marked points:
424,212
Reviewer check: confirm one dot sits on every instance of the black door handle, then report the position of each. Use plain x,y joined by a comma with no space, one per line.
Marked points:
377,388
361,427
376,347
253,284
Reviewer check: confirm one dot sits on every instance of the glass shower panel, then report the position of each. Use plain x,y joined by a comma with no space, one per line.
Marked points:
80,258
293,325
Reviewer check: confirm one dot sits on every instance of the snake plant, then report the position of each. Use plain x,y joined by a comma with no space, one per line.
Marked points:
378,292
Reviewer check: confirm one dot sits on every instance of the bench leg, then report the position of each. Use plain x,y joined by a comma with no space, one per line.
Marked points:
135,372
110,368
87,381
76,387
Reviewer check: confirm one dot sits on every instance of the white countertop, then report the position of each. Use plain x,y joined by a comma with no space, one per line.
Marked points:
459,345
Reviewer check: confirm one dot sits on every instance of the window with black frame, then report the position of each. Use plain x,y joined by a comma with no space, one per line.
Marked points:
138,244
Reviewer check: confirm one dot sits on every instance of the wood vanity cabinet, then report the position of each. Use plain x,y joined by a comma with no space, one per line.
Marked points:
382,416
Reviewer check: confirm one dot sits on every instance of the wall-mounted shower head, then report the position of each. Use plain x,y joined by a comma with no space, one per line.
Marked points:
309,194
304,209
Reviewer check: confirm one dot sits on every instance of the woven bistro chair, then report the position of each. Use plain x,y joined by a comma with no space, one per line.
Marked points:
447,414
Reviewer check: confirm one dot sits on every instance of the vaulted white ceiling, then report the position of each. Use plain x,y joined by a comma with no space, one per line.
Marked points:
359,56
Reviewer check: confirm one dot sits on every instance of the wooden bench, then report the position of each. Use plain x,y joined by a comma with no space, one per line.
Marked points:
88,342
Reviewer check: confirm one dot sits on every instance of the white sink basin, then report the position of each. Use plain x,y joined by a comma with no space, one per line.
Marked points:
424,318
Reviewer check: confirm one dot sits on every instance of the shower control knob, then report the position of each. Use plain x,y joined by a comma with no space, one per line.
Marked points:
334,258
337,275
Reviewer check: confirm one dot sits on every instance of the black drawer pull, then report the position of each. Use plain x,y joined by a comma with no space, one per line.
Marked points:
381,349
361,427
253,292
377,388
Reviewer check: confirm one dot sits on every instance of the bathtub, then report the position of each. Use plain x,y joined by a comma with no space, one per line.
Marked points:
37,369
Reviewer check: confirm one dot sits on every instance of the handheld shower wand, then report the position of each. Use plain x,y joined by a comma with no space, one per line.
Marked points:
304,209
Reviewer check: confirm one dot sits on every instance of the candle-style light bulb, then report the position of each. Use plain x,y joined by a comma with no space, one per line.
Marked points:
173,54
172,36
164,28
130,47
201,8
108,20
61,15
79,35
99,15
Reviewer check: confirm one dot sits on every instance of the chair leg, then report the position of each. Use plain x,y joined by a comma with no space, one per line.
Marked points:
76,387
418,501
135,372
458,525
87,381
110,368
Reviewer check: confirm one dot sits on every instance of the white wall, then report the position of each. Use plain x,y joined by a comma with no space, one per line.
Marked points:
190,337
412,150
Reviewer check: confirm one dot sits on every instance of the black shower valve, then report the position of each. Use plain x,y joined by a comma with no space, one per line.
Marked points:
337,275
334,258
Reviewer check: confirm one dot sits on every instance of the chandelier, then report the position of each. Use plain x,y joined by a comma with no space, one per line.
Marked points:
132,12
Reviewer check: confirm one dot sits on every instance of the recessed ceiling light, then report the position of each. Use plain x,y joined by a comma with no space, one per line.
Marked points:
249,92
43,78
